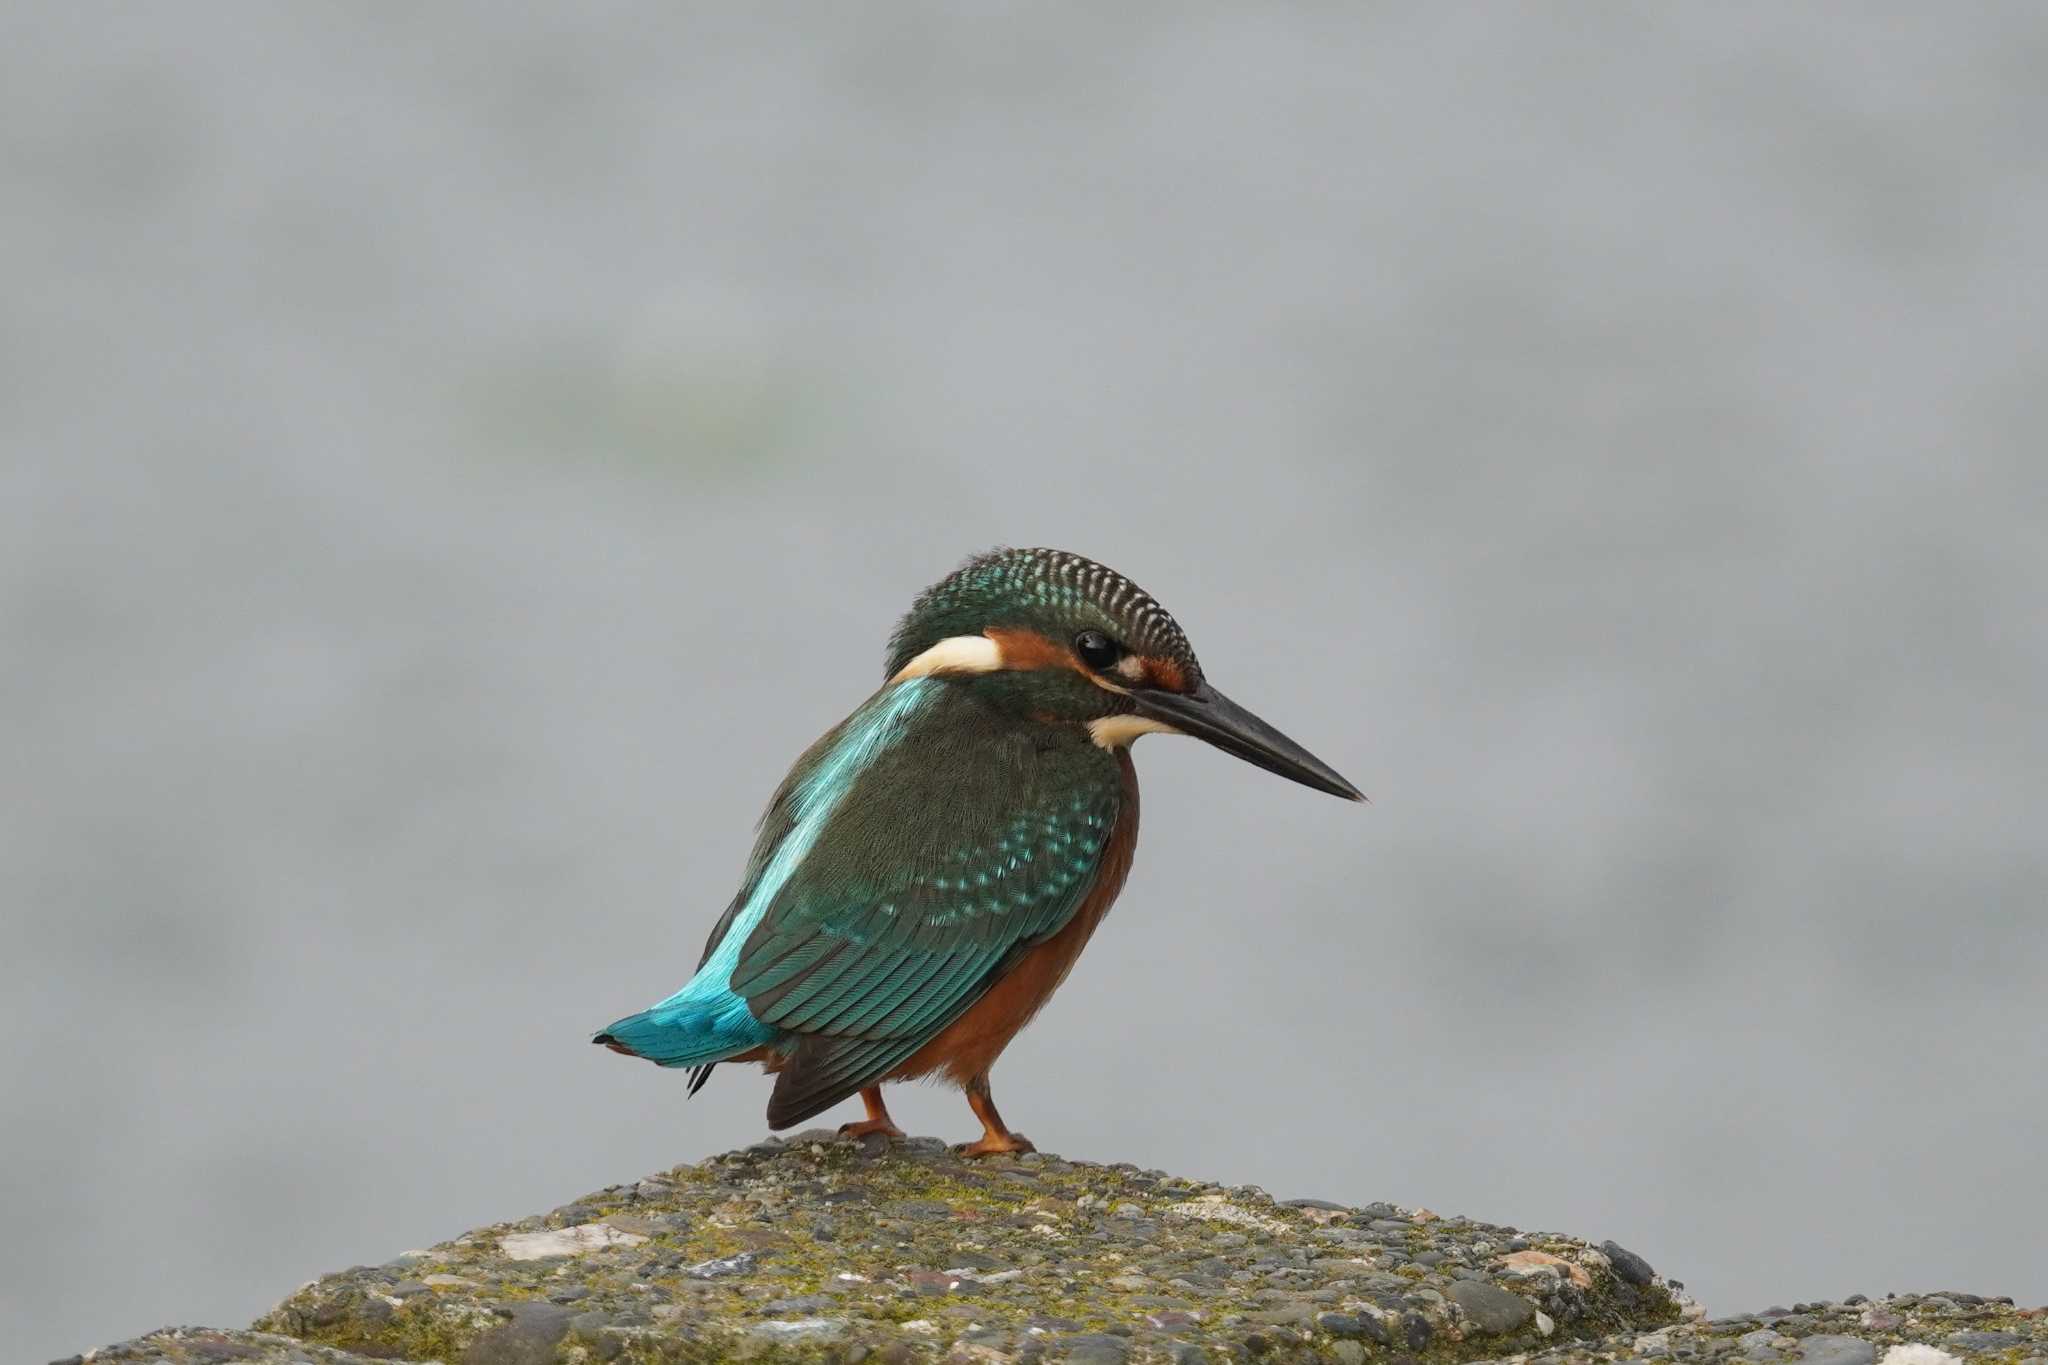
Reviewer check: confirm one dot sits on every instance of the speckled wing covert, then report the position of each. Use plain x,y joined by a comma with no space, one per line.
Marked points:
952,849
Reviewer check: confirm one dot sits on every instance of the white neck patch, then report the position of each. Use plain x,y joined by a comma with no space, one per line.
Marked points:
955,654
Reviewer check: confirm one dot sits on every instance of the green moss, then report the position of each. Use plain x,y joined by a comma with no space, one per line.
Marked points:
416,1331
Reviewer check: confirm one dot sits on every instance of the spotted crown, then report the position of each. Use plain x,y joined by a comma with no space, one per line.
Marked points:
1053,591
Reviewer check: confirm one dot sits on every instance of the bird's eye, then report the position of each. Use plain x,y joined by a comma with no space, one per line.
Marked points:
1097,650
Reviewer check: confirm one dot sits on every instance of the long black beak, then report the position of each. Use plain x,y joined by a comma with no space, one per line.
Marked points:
1207,714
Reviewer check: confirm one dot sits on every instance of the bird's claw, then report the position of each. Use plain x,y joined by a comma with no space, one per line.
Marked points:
861,1128
992,1144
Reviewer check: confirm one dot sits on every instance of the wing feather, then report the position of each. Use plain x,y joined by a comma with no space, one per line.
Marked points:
954,848
827,1070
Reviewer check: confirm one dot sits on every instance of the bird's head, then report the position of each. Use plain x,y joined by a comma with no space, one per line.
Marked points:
1058,637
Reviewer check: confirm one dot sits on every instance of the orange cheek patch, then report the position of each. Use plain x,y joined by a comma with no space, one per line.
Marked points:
1029,649
1166,673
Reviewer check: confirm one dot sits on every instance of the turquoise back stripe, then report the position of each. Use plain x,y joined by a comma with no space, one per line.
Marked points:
708,1004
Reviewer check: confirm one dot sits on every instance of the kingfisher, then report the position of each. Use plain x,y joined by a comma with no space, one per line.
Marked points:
930,869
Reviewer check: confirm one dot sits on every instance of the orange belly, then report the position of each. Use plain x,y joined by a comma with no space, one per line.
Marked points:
969,1045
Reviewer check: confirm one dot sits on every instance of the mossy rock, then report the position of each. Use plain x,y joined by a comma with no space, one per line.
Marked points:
823,1249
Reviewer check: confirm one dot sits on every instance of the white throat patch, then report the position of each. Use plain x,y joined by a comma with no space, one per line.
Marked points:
1116,732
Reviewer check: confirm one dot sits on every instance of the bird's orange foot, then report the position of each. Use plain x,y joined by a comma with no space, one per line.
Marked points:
862,1127
996,1144
877,1120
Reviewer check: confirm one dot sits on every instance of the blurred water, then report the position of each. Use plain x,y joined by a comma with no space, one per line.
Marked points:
454,459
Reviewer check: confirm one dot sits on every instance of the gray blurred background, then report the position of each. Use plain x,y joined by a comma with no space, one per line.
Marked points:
455,458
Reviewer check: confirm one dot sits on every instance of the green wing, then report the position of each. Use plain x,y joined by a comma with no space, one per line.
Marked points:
963,843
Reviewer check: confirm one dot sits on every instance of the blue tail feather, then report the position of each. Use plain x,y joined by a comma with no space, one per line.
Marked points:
684,1033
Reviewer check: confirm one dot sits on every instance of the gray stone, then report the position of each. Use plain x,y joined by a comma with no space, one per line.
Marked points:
801,1330
969,1260
529,1338
1985,1341
592,1331
1760,1345
1628,1266
916,1208
1823,1349
1341,1325
1489,1308
742,1264
1095,1348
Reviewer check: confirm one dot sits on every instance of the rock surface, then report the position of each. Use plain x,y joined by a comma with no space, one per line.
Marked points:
825,1249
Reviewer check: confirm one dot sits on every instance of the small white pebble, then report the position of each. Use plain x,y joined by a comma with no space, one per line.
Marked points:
1220,1212
576,1241
1914,1353
1544,1324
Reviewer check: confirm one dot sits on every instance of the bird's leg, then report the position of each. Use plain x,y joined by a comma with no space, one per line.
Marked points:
877,1121
995,1139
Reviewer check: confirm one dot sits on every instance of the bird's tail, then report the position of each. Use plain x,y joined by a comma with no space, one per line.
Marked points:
683,1031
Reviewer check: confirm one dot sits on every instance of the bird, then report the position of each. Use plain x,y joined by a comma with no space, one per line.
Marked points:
927,873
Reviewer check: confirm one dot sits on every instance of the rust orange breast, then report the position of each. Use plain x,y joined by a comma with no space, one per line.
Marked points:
969,1045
